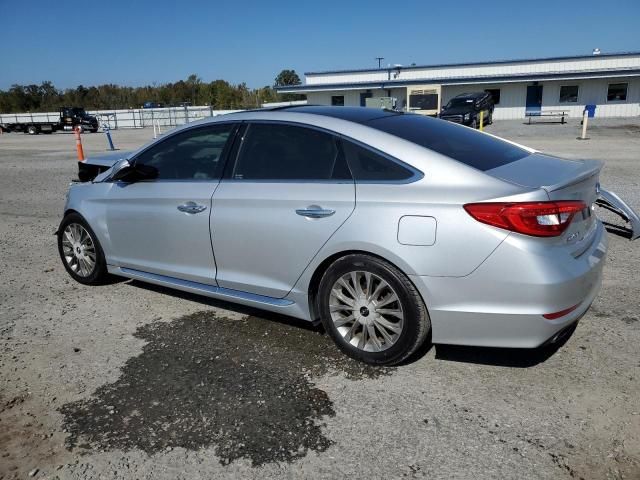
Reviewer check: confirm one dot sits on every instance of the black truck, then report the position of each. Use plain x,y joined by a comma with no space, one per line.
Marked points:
466,108
33,124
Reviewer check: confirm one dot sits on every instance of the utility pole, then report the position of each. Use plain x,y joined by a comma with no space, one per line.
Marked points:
379,61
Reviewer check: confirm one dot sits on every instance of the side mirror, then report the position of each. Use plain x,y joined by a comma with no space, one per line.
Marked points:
120,169
125,171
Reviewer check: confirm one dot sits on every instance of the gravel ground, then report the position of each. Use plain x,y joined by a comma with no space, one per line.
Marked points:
135,381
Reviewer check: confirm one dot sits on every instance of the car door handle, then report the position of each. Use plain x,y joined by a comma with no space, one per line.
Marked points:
315,212
191,207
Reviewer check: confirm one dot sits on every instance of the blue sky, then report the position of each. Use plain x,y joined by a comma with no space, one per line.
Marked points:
138,43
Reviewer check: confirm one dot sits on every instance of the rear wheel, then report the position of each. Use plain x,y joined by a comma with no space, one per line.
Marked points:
32,130
371,310
80,251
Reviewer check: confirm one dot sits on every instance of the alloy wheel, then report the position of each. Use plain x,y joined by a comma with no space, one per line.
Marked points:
78,249
366,311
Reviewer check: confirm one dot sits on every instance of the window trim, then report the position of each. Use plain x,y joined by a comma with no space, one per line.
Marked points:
626,92
233,159
560,102
224,155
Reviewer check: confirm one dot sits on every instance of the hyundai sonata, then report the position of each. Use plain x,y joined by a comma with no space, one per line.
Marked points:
384,226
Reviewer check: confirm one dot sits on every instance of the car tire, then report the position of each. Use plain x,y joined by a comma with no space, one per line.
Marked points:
80,251
32,130
490,119
393,333
474,123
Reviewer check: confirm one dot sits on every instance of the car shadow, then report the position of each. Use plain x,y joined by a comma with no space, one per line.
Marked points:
234,307
503,357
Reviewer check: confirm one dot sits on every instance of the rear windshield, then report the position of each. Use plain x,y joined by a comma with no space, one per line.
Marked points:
463,144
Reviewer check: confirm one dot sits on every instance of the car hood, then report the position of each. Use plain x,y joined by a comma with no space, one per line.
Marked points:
107,159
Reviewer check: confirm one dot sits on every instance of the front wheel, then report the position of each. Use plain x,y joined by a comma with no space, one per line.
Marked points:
371,310
474,123
80,251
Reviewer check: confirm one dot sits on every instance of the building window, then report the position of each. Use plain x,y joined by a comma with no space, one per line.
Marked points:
495,94
617,92
337,100
569,94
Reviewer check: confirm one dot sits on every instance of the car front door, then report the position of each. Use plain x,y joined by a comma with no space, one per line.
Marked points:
161,225
286,194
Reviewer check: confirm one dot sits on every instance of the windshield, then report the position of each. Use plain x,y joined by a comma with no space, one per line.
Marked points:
79,112
459,102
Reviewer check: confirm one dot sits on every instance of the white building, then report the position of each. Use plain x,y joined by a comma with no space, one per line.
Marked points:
609,81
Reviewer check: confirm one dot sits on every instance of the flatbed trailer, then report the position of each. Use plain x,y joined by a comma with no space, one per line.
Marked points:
68,118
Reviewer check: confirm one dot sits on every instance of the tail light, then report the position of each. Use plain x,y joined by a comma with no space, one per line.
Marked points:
539,219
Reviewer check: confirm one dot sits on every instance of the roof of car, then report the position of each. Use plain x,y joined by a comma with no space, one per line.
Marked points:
353,114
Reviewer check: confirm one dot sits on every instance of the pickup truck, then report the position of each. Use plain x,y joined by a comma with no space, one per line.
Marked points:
33,124
466,108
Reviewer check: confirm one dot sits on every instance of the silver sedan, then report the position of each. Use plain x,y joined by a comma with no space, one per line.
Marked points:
384,226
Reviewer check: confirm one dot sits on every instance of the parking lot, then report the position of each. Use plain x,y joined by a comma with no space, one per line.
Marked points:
129,380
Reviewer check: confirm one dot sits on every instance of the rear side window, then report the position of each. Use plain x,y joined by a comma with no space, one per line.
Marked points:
272,151
195,154
463,144
368,165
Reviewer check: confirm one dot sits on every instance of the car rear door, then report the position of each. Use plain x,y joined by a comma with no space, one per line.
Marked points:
161,226
285,195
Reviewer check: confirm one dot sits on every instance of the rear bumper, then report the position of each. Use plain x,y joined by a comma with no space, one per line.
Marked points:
502,303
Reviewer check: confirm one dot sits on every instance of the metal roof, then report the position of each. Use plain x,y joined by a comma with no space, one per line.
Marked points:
374,84
490,62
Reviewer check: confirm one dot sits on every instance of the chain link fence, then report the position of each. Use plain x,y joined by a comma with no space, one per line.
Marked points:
130,118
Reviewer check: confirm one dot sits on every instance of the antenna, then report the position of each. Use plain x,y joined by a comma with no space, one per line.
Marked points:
379,59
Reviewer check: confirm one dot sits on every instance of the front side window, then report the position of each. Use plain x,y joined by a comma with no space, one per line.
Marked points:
272,151
195,154
617,92
367,165
337,100
568,94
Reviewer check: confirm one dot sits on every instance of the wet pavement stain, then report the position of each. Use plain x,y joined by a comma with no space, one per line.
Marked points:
243,387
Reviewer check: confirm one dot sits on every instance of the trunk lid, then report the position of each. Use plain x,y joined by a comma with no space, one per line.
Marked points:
562,180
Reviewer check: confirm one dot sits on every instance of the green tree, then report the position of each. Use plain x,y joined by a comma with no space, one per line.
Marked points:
287,77
220,94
